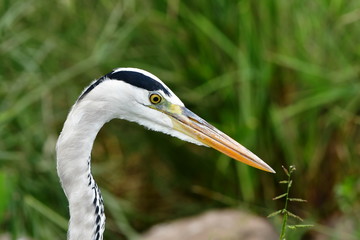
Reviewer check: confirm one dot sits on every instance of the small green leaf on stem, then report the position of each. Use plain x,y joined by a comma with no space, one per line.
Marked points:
286,171
294,215
297,200
274,213
300,226
280,196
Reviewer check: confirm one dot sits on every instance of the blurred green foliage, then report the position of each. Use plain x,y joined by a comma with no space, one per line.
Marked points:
281,77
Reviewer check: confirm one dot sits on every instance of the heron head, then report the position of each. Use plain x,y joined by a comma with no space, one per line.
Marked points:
139,96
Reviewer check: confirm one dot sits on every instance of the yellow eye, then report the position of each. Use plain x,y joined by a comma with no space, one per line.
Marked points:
155,98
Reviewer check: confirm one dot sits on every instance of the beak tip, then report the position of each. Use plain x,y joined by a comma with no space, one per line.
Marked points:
267,168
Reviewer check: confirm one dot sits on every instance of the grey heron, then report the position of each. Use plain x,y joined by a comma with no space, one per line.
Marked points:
134,95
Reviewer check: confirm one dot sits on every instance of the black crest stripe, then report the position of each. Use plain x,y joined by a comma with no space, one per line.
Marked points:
136,79
91,87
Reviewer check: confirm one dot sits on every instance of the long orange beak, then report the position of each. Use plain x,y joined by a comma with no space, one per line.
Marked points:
197,128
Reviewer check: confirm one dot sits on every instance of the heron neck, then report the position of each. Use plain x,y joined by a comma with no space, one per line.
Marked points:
87,218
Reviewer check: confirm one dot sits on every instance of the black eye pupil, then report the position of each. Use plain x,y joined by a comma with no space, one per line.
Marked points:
155,98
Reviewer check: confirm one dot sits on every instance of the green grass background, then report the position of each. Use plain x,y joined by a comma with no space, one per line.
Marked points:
279,76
